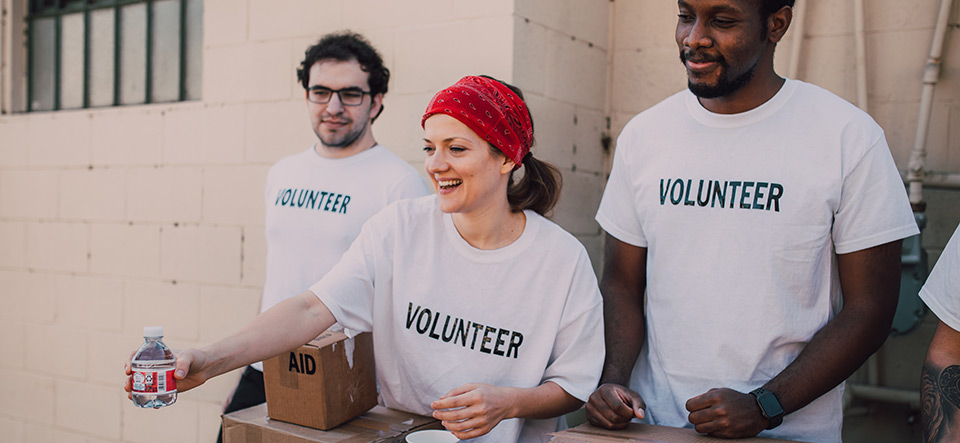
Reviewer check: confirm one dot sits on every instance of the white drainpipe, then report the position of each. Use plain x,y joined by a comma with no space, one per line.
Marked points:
916,178
861,54
931,72
859,33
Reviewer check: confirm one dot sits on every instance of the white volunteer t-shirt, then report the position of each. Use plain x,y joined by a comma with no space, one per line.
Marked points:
741,216
444,314
315,207
941,291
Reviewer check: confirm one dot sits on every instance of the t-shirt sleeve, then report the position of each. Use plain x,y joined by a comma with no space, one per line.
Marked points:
577,357
348,289
873,207
617,214
941,292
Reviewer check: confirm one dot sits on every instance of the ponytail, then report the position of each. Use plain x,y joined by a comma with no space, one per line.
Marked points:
538,189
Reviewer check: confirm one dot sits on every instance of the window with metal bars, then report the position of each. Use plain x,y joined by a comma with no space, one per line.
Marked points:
95,53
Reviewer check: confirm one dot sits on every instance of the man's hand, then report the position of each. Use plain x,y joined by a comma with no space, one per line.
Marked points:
612,406
726,413
473,409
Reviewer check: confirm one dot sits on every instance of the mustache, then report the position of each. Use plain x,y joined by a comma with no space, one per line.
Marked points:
696,57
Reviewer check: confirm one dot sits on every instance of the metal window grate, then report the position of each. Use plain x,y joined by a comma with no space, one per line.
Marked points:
94,53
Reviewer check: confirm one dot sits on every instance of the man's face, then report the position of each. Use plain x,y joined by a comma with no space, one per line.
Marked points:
338,125
721,43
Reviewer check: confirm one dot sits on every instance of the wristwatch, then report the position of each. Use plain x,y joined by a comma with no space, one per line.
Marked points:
769,406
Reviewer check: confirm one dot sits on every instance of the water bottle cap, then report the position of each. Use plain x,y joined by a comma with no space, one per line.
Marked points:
153,331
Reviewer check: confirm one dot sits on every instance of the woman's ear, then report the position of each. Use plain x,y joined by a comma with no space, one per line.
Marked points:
507,166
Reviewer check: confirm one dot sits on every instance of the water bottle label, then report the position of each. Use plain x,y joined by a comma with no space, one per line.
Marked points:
154,382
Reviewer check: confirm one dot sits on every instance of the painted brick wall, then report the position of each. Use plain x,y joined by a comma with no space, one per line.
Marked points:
112,219
561,57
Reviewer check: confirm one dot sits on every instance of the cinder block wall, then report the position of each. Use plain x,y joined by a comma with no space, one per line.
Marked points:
112,219
561,60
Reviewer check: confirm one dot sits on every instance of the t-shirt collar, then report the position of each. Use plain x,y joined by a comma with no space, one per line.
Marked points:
358,157
530,229
768,108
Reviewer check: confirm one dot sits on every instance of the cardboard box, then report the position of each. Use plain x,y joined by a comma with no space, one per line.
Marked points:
380,425
643,433
324,383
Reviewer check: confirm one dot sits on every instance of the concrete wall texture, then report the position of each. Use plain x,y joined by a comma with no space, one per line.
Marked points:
116,218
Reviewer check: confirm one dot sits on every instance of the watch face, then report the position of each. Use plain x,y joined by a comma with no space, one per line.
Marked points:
768,402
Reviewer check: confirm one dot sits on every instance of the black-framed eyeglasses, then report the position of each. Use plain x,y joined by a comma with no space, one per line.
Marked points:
348,96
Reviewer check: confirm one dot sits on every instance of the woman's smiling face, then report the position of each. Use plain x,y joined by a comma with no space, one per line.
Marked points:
466,174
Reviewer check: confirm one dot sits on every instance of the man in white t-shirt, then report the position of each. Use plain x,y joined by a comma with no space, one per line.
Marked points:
941,369
317,200
737,212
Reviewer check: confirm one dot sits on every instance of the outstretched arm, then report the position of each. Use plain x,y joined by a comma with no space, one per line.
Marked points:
940,387
870,282
287,325
623,283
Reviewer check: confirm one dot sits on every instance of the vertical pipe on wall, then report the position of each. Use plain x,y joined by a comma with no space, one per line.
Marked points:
607,137
915,178
861,54
859,36
931,72
611,37
799,16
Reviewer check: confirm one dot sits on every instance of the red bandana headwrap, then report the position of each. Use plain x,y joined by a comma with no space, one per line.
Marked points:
491,110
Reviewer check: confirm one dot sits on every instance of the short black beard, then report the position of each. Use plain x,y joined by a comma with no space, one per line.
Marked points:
348,140
724,86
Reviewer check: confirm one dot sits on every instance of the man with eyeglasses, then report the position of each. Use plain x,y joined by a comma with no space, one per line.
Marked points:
317,200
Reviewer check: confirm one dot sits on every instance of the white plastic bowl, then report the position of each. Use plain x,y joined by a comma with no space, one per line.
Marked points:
431,436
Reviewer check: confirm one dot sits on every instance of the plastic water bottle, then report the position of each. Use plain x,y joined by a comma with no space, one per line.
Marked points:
153,365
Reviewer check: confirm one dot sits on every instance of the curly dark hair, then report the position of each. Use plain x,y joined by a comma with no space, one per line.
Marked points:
346,46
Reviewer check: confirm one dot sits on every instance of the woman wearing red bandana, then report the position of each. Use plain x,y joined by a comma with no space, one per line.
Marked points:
484,313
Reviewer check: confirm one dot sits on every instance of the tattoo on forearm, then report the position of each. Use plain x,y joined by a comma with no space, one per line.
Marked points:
949,386
930,412
940,401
